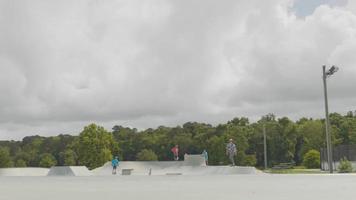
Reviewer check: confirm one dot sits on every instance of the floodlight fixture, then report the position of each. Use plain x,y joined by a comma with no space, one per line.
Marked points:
332,70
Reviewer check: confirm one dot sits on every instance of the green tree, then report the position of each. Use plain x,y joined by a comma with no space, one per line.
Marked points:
31,146
47,160
94,146
216,149
250,160
312,159
5,159
20,163
24,156
127,140
313,135
147,155
69,157
281,139
348,130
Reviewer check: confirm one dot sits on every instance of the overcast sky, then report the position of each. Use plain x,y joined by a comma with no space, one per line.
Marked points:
137,63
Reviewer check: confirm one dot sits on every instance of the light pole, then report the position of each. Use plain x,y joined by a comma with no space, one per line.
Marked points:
265,145
327,74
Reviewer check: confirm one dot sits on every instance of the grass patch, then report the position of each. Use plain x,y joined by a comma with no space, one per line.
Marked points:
294,171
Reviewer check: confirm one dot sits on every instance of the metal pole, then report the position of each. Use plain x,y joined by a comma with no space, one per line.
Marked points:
265,145
327,124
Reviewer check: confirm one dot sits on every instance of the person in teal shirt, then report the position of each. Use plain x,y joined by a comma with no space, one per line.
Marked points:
206,157
114,164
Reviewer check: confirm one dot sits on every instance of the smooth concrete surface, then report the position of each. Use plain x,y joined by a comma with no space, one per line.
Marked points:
242,187
25,171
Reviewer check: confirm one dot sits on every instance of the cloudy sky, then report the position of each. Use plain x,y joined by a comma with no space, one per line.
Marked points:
137,63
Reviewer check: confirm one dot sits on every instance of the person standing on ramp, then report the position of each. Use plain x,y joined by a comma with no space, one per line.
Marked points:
114,164
175,151
231,151
206,157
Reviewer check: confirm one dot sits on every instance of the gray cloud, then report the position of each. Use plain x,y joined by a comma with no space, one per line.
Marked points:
65,64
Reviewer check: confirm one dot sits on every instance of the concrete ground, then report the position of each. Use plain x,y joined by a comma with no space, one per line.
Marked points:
217,187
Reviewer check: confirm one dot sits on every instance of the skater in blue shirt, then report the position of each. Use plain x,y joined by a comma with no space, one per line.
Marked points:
114,164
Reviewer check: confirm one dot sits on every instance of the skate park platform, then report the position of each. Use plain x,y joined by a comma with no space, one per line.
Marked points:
192,165
172,167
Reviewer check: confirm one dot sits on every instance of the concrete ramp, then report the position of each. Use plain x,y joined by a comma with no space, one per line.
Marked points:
69,171
26,171
194,160
81,171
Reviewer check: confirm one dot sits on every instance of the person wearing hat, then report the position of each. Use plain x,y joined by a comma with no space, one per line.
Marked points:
231,151
114,164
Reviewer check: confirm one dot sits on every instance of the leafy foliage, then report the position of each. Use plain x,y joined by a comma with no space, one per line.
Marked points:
20,163
94,146
312,159
69,157
345,166
47,160
250,160
147,155
5,159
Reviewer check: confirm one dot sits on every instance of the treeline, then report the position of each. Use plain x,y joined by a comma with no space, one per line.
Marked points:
287,141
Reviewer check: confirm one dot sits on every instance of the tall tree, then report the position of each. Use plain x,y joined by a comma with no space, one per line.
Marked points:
5,159
47,160
95,146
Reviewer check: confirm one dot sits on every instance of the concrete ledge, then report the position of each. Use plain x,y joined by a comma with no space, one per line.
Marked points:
25,171
170,174
126,172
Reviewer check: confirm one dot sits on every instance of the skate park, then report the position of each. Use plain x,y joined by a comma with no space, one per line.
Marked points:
188,179
191,165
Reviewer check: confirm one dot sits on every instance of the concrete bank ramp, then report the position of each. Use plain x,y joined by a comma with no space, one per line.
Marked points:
25,171
69,171
194,160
